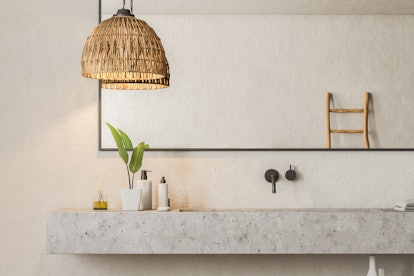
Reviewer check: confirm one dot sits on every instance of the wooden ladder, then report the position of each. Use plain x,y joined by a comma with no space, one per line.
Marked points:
329,110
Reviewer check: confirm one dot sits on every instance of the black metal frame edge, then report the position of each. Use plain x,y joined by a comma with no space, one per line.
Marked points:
100,11
99,88
265,149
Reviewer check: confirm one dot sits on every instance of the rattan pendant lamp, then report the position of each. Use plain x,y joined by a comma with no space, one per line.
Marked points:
125,53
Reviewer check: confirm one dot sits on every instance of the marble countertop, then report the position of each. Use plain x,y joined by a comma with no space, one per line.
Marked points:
230,231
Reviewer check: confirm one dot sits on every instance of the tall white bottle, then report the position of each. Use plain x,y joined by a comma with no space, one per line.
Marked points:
146,186
163,195
372,271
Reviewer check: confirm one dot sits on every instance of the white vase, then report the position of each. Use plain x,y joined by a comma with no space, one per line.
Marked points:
372,271
131,199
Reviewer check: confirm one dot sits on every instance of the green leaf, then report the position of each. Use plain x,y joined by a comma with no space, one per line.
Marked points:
118,140
146,146
136,159
125,139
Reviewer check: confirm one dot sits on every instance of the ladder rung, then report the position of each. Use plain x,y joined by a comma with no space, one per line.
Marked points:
347,131
346,110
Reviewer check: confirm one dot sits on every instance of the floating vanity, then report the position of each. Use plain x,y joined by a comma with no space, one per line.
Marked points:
281,231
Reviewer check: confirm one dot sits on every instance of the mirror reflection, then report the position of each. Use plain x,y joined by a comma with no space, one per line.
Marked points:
260,82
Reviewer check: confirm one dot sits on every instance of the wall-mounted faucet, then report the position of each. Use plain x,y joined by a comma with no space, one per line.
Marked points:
272,176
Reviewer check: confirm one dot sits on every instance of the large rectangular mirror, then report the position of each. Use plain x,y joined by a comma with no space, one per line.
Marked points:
260,81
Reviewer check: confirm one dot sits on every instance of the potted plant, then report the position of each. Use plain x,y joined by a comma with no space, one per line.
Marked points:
131,197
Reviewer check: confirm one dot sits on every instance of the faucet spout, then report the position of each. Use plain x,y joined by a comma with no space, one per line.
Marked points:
273,184
272,176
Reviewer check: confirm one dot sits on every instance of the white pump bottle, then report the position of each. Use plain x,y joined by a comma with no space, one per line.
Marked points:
163,196
146,186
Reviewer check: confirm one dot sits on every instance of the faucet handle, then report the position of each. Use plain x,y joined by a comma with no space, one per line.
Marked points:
290,174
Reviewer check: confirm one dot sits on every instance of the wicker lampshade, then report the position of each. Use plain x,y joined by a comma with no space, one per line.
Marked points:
125,50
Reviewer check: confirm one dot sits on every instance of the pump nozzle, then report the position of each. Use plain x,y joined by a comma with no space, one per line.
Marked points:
144,174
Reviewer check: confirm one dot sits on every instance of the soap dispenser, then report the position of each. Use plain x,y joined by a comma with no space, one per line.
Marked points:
146,186
163,195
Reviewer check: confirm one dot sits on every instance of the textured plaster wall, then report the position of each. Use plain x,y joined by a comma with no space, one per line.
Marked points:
49,160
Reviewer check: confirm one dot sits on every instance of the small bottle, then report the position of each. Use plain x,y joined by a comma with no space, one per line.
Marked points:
146,186
372,271
163,195
100,201
381,272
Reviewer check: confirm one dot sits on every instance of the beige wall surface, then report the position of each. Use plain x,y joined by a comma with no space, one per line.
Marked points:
49,160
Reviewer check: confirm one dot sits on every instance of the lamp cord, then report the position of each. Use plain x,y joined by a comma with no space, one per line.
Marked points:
132,6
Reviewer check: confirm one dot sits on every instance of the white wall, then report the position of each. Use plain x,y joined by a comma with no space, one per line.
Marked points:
49,160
